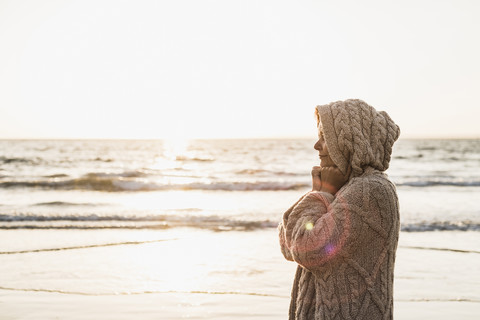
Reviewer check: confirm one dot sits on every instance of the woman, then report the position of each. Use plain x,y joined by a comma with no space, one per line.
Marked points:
344,233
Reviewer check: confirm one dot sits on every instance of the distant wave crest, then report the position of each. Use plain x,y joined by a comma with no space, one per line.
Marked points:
432,183
63,204
267,172
464,225
18,160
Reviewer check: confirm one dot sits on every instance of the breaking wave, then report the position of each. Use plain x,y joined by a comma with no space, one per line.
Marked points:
242,180
130,222
125,182
213,222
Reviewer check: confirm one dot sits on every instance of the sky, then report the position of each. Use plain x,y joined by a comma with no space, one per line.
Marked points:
234,68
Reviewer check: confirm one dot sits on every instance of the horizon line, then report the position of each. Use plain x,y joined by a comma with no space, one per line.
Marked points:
412,137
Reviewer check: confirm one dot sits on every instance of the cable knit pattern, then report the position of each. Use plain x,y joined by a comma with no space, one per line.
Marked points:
345,244
357,134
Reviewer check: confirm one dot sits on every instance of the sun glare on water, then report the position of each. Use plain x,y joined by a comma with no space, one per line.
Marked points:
176,148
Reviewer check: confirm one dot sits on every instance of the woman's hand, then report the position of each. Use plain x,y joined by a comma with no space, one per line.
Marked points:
328,179
316,181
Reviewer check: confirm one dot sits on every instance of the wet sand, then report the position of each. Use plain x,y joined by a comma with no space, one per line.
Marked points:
199,274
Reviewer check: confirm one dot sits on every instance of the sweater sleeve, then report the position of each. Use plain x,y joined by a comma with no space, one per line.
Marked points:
320,226
281,231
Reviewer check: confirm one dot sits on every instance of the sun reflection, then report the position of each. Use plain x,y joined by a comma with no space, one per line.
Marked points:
181,263
176,148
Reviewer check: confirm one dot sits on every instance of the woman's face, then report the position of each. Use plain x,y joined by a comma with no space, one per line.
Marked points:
321,147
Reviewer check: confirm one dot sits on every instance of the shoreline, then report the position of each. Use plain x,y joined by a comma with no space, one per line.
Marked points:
201,274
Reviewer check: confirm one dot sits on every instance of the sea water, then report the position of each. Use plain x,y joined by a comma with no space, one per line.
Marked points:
216,184
112,218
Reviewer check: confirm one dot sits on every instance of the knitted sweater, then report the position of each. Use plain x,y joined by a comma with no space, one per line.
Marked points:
345,244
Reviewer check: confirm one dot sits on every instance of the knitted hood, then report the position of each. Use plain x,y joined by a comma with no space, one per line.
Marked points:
357,134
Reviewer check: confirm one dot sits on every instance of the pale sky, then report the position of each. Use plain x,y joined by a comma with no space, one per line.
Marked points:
234,68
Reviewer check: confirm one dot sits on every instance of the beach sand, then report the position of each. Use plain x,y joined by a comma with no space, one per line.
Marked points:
201,274
192,306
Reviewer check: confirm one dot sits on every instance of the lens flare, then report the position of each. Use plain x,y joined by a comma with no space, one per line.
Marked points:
330,249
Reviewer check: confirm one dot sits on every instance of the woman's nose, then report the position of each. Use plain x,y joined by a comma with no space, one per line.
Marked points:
318,145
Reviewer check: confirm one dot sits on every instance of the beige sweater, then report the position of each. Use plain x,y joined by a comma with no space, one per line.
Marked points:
345,244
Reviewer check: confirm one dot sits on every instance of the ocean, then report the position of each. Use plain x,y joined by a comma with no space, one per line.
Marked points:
105,229
214,184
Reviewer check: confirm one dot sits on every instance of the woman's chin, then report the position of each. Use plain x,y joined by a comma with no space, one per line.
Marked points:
327,162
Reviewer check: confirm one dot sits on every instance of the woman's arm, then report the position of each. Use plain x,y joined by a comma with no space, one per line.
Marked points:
320,227
327,180
281,231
